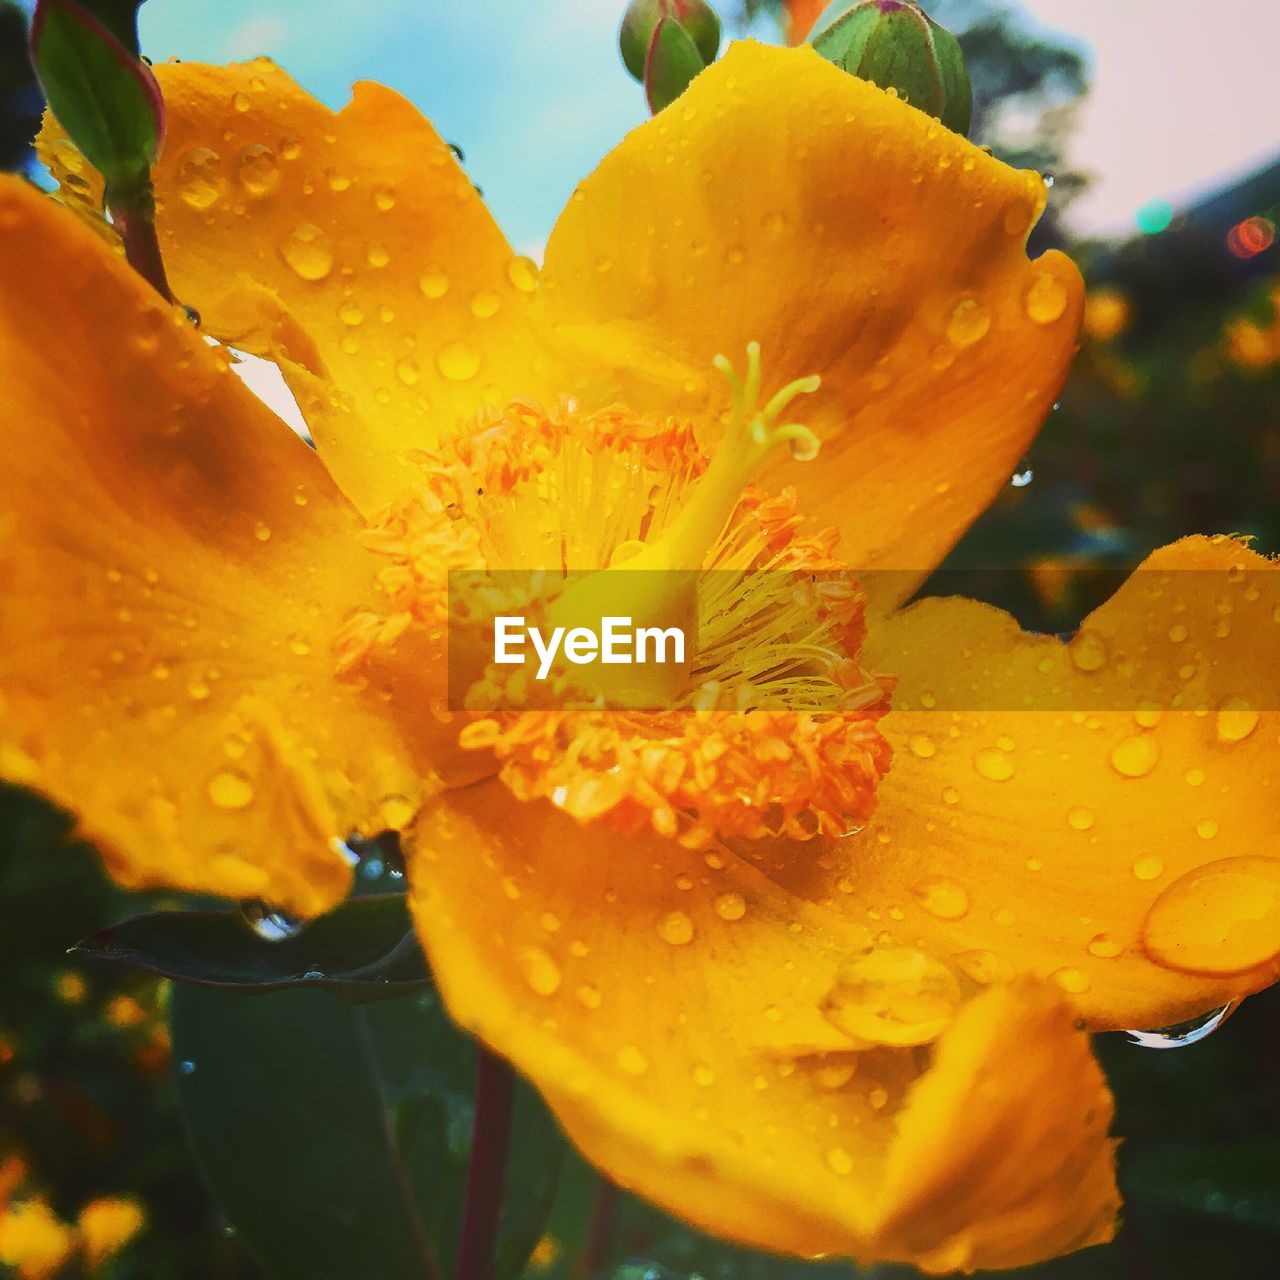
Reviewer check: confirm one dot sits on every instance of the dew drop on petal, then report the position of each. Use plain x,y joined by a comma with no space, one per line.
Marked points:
1148,867
632,1060
1220,919
230,789
676,928
268,922
839,1161
199,183
257,170
1070,980
1135,757
893,996
1045,299
540,971
407,371
522,273
969,322
1104,946
994,765
1079,818
1236,720
458,361
1183,1034
730,906
942,898
1088,651
308,252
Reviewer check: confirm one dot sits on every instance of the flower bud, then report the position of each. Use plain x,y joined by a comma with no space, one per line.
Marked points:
696,18
895,44
101,91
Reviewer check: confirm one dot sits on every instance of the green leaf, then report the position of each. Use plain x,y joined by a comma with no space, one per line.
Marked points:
1238,1181
335,1138
103,95
364,950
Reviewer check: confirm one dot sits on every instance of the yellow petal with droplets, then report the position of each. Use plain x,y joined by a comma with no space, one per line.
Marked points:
173,564
676,1010
1108,815
370,236
782,201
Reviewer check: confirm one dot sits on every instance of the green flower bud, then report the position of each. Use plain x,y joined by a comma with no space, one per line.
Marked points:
102,93
698,20
895,44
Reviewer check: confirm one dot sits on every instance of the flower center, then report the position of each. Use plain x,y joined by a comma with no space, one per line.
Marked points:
768,726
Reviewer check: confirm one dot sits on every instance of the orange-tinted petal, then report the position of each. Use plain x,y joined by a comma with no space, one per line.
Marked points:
669,1006
174,563
1101,813
785,202
363,230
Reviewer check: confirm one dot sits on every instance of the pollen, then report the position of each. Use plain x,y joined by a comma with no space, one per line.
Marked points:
770,728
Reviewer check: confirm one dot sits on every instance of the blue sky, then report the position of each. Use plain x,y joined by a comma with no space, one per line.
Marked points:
532,90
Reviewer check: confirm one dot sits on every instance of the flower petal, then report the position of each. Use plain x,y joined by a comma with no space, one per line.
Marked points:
669,1008
173,563
785,202
366,232
1101,813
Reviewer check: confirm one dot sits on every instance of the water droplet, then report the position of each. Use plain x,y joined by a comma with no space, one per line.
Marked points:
970,322
186,1067
1104,946
1177,633
240,102
983,967
407,371
703,1076
1194,777
923,746
1135,757
1235,721
589,996
522,272
485,304
676,928
257,169
199,182
1080,818
1070,980
942,898
1183,1034
290,147
1088,651
632,1060
1220,919
540,971
1020,479
1046,299
350,314
458,361
1148,867
895,996
308,251
730,906
839,1160
384,198
377,254
1207,828
1147,716
268,922
994,765
262,532
231,789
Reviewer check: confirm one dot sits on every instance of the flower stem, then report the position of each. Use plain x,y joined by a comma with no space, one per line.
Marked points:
141,246
599,1251
486,1173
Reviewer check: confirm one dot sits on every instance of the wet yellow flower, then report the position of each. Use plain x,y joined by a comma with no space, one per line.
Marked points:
224,650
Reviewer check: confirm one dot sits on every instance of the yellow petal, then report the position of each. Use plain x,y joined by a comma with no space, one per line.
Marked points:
363,228
1102,813
785,202
670,1008
173,564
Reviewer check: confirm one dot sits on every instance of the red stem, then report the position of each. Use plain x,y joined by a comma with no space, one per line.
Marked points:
487,1171
141,247
604,1219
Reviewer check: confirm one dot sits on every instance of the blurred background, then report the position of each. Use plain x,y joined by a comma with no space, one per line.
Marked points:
1157,121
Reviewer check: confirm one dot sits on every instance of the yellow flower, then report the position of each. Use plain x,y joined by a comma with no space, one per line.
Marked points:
223,649
33,1241
107,1225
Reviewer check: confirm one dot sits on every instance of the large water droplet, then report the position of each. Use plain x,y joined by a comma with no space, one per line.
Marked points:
540,971
632,1060
994,765
231,789
895,996
1220,919
458,361
308,251
1022,477
1135,757
676,928
257,169
942,898
1183,1034
1236,720
268,922
1046,299
970,322
730,906
523,274
199,182
1088,651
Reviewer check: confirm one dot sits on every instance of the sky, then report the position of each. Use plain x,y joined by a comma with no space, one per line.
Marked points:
1184,90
